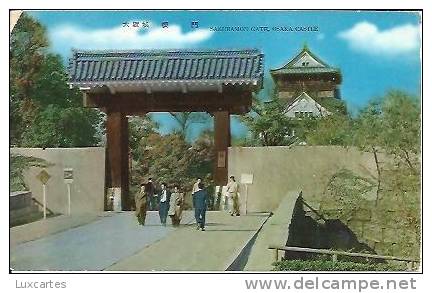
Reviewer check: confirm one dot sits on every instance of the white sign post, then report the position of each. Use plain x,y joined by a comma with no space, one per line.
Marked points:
246,179
43,177
69,199
44,201
68,178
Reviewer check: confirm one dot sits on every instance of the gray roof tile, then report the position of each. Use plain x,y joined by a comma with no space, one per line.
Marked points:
160,65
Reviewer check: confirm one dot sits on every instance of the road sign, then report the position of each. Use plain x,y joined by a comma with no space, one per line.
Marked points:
246,178
68,175
43,176
221,155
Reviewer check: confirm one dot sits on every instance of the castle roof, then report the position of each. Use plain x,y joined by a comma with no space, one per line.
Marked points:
304,99
305,62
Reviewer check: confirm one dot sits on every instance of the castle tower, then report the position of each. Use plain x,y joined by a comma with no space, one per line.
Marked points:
307,73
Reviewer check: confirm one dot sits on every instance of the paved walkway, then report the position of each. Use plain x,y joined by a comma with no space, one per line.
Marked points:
274,232
116,242
51,225
93,246
189,249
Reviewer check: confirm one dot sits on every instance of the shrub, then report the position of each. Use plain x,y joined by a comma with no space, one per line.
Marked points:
329,265
18,164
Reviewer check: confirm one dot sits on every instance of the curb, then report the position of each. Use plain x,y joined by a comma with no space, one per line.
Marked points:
236,263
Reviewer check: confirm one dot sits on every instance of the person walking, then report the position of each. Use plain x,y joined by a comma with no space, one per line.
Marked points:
153,196
201,201
175,206
164,201
141,202
233,198
195,189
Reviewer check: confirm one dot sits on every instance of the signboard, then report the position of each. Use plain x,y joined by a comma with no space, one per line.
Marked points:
43,176
221,159
246,178
68,175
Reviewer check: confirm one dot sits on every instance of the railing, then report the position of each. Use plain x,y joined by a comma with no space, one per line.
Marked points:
41,205
335,253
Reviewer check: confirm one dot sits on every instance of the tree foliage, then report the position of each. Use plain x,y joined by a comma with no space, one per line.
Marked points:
19,164
168,158
45,112
140,128
329,130
268,123
62,127
28,44
185,120
173,160
401,122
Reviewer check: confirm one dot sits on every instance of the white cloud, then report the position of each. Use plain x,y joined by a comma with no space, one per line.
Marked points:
320,37
126,37
366,37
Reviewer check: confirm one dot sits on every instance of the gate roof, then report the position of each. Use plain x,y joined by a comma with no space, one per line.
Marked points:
174,69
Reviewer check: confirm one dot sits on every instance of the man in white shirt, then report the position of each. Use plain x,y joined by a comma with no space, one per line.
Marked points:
164,201
195,189
233,198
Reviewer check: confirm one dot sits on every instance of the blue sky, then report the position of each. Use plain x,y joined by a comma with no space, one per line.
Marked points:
376,51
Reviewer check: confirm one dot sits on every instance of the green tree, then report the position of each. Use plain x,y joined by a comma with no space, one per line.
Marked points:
169,159
63,127
268,123
335,106
50,85
369,135
391,126
140,129
45,112
202,157
333,129
402,142
28,45
184,121
401,121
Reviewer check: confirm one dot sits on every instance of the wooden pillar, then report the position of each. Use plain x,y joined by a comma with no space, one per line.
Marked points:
222,140
118,161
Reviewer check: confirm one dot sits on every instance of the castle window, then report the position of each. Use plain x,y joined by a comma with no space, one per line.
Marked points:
303,114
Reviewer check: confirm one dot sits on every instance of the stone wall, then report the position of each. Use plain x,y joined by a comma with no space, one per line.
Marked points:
278,170
339,183
87,189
